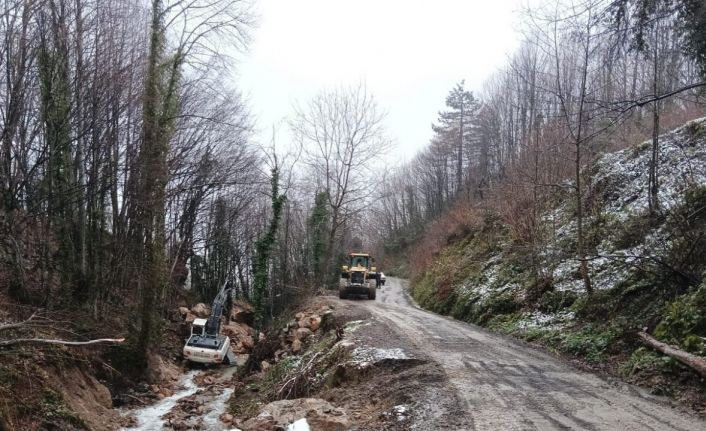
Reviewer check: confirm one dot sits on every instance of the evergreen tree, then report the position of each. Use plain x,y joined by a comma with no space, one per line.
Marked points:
458,123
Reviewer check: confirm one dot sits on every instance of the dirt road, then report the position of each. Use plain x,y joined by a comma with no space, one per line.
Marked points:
506,385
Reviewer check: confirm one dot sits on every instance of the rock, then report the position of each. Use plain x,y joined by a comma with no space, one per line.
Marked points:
262,422
302,333
241,360
201,310
189,319
226,418
241,336
265,366
320,414
183,311
314,322
296,345
304,323
248,343
261,336
242,313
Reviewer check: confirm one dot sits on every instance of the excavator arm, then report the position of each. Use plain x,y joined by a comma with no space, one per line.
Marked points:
221,303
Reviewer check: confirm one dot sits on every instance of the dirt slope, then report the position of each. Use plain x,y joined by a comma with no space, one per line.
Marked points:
506,385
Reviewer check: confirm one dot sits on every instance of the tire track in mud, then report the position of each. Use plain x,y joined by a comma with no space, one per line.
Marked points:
506,385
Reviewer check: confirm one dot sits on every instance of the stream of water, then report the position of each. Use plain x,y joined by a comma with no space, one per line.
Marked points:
149,418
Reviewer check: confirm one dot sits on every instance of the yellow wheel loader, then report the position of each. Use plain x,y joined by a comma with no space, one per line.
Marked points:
359,277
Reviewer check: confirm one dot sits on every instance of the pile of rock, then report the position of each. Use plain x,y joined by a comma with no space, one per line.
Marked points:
299,329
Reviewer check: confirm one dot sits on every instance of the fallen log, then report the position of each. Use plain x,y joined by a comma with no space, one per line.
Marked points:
694,362
62,342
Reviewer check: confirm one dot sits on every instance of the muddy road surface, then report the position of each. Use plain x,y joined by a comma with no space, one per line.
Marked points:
507,385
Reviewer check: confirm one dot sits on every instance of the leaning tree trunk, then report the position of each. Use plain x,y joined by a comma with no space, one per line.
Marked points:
694,362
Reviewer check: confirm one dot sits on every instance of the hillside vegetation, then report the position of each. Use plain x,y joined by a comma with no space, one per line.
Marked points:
646,270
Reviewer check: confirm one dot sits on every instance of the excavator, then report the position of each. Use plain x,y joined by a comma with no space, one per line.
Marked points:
206,345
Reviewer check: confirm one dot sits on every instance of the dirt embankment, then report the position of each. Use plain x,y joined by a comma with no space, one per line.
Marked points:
353,373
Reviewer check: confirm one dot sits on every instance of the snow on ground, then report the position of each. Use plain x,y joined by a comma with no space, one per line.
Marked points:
300,425
400,411
537,319
682,163
374,354
354,325
619,183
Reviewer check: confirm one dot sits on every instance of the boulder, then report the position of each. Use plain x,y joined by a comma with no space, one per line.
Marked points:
262,422
183,311
302,333
201,310
241,360
304,323
241,336
296,345
242,313
320,414
314,322
226,418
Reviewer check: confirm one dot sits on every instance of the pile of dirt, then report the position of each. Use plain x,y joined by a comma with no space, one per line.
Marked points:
351,369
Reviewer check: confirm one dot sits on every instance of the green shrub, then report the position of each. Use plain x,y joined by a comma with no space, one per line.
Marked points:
632,231
504,303
684,322
552,301
643,359
686,228
538,289
590,343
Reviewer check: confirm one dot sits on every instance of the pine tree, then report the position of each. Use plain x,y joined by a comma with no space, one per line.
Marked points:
458,124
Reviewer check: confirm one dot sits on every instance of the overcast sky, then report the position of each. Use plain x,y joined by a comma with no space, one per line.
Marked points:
410,53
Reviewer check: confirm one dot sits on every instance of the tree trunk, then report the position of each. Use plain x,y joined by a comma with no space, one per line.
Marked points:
694,362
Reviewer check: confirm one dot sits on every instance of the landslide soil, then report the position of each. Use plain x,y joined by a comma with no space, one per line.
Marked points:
388,374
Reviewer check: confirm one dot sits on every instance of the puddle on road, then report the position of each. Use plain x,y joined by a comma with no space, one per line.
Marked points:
150,418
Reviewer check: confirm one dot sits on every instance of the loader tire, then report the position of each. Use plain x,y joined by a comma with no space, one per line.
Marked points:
342,294
371,292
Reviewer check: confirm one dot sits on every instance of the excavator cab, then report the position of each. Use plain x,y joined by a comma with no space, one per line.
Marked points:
198,326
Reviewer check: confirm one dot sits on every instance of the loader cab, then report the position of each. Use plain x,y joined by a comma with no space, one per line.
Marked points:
363,261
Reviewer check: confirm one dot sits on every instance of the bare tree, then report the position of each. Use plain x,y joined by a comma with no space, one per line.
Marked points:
343,135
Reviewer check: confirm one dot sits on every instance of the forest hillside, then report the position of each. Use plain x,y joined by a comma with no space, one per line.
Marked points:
647,271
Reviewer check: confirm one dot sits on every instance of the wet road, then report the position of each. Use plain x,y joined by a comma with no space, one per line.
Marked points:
506,385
